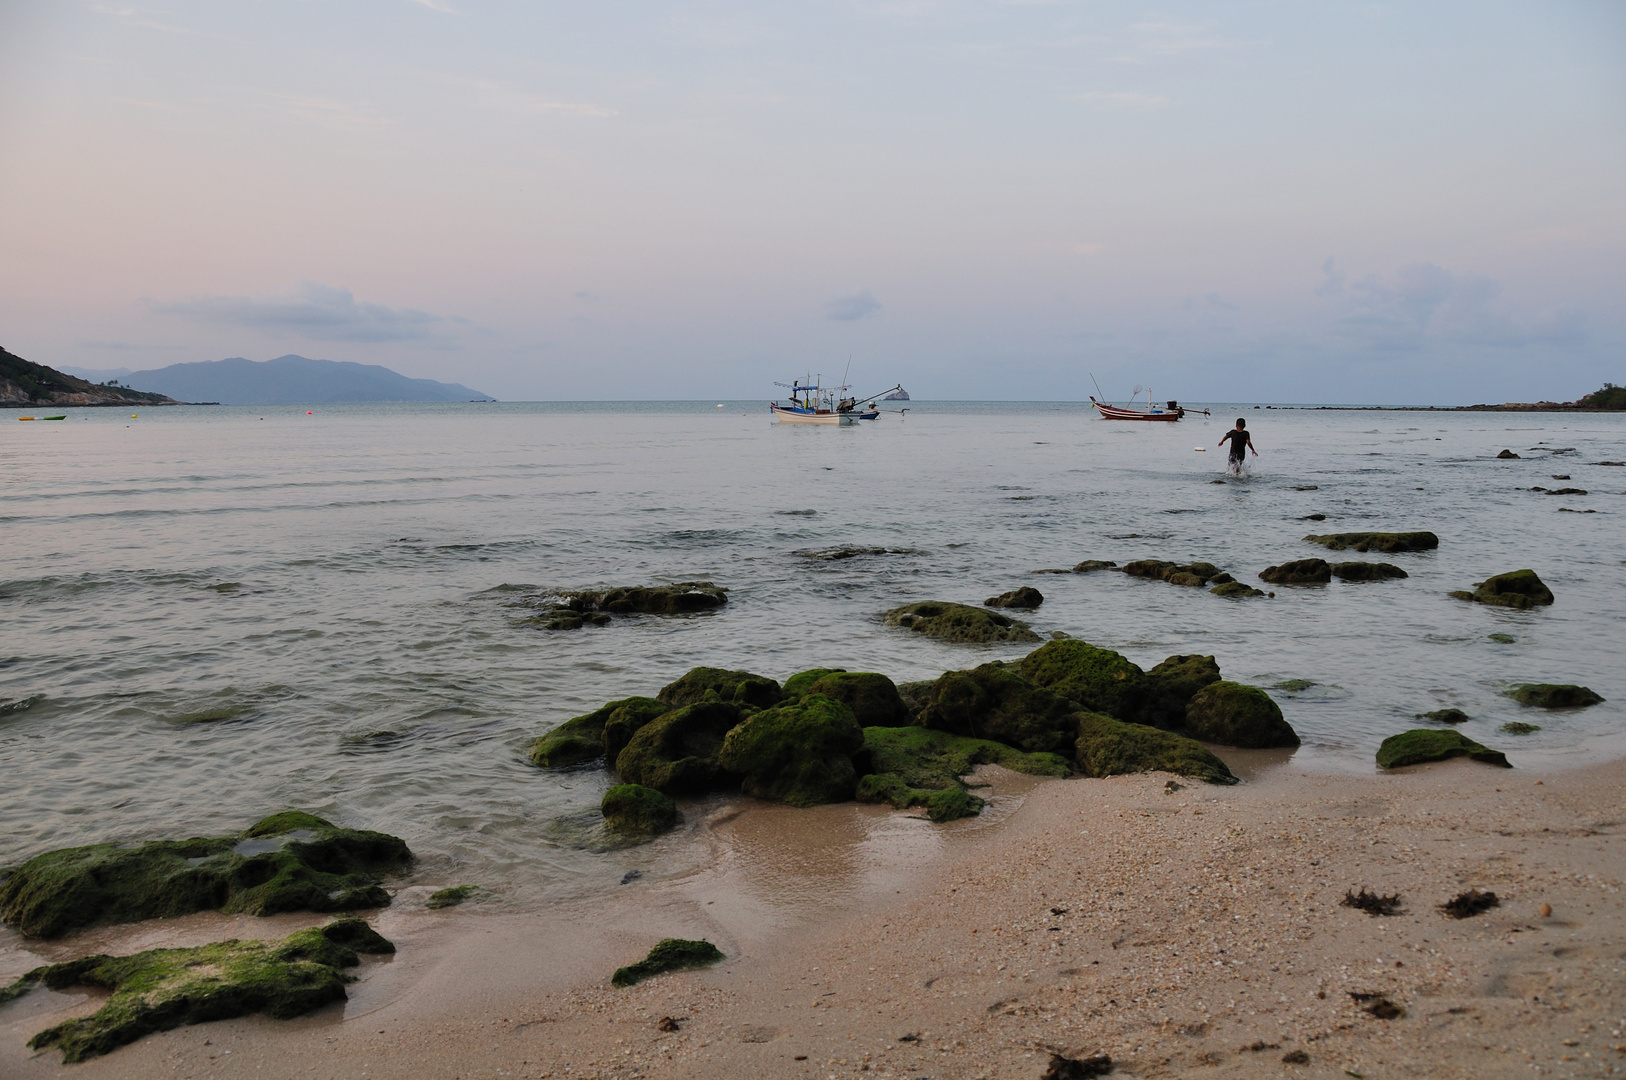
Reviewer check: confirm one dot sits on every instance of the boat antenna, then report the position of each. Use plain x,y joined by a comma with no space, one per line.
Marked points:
849,371
1098,389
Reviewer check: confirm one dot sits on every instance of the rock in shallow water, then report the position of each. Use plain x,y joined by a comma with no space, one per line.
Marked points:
670,954
1518,589
1232,714
585,738
1299,572
799,754
632,810
994,701
1189,574
1423,745
1109,747
163,989
740,688
677,752
292,861
1098,679
1378,541
958,622
1025,597
920,767
1554,695
573,610
873,698
1367,571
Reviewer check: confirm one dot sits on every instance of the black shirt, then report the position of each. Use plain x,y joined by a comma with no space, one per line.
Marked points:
1239,442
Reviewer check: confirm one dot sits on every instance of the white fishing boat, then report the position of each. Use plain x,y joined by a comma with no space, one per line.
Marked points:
812,403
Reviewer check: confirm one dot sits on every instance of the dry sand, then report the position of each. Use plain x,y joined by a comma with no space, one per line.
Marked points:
1187,933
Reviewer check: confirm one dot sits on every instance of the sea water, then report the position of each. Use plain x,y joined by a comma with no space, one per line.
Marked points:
208,614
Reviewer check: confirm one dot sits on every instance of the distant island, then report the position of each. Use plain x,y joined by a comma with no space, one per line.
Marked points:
24,384
1611,398
292,380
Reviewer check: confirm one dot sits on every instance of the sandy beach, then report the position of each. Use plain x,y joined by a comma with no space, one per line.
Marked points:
1188,932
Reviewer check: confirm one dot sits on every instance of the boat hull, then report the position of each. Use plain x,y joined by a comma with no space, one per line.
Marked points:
798,416
1114,412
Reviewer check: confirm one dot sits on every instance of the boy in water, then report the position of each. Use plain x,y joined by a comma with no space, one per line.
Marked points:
1241,443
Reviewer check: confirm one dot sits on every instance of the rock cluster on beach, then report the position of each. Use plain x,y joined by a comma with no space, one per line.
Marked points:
292,861
573,610
161,989
828,735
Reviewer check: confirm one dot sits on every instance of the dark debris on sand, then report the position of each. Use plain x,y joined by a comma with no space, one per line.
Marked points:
1468,904
1377,1005
1066,1068
1374,904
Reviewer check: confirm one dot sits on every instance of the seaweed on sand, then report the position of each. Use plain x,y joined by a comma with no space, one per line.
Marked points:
669,954
1374,904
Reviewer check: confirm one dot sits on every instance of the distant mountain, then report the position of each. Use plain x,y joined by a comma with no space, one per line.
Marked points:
24,384
293,380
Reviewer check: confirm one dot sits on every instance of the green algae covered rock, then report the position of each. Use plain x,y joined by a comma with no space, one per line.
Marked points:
450,897
915,694
1519,727
1098,679
1025,597
800,754
626,720
1111,747
1519,589
676,753
670,954
718,684
163,989
291,861
920,767
873,698
1189,574
1445,716
580,740
995,702
1236,588
1231,714
635,810
1367,571
958,622
1554,695
1300,572
943,804
800,684
1422,745
1383,543
1170,687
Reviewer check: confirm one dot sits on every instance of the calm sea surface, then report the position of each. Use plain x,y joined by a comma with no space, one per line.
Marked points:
221,612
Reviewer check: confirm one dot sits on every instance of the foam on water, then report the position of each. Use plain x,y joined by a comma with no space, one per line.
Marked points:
206,617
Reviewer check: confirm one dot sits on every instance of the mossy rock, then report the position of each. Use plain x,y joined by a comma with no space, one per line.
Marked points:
1171,685
1519,727
581,739
800,684
719,684
1090,566
163,989
1554,695
1235,588
1189,574
1422,745
935,760
943,804
1518,589
670,954
1025,597
958,622
1367,571
626,720
995,702
1298,572
1098,679
873,698
635,810
450,897
678,598
915,694
291,861
1232,714
1499,638
1445,716
1381,542
1110,747
800,754
676,753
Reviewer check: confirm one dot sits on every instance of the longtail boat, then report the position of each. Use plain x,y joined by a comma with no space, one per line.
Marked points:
1169,411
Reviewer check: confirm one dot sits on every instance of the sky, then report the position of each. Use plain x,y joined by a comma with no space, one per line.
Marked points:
1399,203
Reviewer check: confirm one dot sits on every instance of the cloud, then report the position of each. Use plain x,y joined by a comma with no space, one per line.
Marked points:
859,305
437,5
1332,279
312,311
1424,302
341,115
1106,101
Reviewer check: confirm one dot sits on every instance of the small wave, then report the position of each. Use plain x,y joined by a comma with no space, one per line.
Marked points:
22,705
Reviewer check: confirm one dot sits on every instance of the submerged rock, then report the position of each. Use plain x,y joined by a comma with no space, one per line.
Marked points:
1445,716
573,610
719,684
1382,542
1190,574
450,897
1090,566
163,989
635,810
1025,597
1518,589
1367,571
292,861
676,753
1170,687
1236,588
670,954
1110,747
581,739
1519,727
1098,679
1423,745
958,622
995,702
1299,572
873,698
800,754
1232,714
1508,454
1554,695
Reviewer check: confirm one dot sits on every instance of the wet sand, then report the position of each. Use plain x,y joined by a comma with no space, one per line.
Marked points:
1188,933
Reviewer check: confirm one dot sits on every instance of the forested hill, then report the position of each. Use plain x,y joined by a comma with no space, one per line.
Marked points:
24,384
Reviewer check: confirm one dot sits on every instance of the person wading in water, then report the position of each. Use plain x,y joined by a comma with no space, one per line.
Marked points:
1241,443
